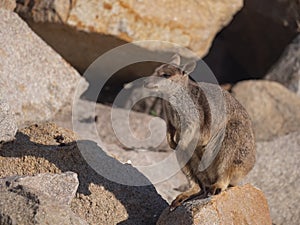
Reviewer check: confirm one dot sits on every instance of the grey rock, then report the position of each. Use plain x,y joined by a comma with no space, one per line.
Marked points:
44,148
87,119
276,173
41,199
61,188
137,154
287,70
274,109
8,127
34,79
167,188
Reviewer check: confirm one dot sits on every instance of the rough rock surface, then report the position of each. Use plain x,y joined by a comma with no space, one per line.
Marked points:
34,79
141,125
61,188
164,19
8,4
47,148
276,173
8,127
274,109
191,24
238,205
147,153
287,70
41,199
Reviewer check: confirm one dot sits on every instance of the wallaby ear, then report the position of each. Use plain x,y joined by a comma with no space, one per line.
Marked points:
175,60
189,67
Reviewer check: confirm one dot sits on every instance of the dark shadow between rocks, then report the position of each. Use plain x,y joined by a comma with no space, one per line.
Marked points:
253,41
143,204
79,48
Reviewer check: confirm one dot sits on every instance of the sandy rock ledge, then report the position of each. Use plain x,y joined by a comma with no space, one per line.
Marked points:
47,148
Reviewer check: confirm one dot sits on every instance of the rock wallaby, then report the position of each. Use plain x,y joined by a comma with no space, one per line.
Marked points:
209,129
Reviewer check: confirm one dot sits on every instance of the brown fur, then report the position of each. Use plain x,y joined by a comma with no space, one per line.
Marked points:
236,156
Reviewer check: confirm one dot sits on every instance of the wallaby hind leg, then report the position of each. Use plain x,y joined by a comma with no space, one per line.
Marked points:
194,190
219,186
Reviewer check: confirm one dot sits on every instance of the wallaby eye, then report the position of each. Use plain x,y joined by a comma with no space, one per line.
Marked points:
165,75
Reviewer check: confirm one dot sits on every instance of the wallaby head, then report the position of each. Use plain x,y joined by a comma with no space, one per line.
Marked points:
174,72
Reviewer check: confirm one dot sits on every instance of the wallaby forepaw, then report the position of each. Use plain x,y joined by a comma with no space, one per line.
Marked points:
178,201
